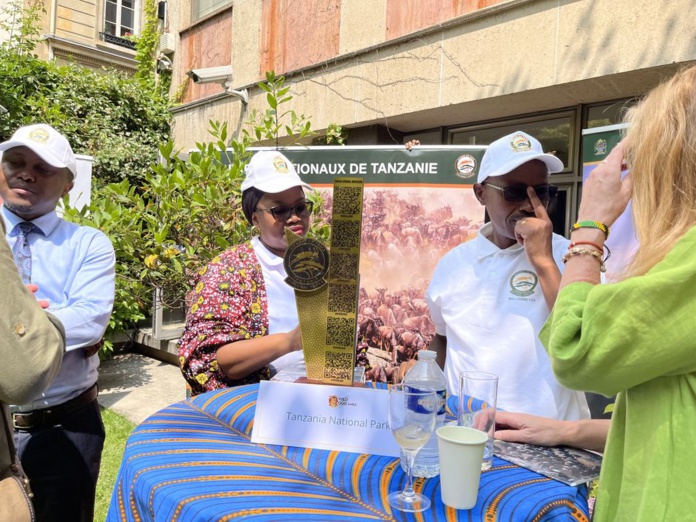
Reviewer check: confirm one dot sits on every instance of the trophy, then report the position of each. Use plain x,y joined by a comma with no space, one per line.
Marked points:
326,287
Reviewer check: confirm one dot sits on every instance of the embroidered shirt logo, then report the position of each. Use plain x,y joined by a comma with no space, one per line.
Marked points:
523,283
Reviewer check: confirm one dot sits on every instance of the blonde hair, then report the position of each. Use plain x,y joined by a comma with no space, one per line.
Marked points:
661,154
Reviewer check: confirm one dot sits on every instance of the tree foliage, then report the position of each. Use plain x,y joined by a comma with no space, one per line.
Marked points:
186,210
119,120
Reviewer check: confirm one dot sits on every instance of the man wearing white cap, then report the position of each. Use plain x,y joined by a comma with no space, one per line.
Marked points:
489,297
241,320
59,433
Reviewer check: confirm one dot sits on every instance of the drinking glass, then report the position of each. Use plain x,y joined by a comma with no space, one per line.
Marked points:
478,394
412,416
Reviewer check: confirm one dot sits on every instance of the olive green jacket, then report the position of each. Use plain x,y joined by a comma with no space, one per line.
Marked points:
32,343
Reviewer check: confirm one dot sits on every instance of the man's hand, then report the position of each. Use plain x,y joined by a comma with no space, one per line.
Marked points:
91,350
43,303
534,233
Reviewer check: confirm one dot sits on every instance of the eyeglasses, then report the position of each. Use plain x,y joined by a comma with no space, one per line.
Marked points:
518,193
282,213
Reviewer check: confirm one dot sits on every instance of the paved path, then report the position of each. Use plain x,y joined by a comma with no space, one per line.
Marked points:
137,386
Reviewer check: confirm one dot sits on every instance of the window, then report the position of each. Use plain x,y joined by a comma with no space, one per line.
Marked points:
201,8
121,18
555,132
607,113
558,135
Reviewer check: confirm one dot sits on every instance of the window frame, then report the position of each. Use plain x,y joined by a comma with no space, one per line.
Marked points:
119,7
197,16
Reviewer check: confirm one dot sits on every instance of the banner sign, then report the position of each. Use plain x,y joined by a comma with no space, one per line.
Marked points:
597,143
324,417
388,166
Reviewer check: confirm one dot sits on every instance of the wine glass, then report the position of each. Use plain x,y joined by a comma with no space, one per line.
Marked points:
412,416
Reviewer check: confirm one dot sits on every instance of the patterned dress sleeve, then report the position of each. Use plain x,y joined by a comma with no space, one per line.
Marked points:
227,304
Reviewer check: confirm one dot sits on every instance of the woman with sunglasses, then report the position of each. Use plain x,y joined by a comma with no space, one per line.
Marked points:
241,320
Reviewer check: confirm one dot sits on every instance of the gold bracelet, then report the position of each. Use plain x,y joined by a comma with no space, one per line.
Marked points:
579,251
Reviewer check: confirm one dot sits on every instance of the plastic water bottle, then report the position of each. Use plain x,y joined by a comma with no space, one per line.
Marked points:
427,374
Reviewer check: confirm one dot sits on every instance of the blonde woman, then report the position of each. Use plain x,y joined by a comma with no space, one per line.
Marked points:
637,337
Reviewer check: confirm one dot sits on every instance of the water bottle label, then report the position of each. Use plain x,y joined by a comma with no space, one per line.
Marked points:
423,405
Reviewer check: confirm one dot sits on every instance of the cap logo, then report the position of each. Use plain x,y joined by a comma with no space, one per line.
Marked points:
39,135
466,165
520,143
280,165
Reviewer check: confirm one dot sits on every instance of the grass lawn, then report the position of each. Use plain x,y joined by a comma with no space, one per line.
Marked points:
118,429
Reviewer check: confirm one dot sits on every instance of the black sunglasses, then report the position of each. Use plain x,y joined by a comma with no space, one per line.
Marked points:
282,214
518,193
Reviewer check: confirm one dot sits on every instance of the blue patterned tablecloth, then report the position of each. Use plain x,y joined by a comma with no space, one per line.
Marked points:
193,461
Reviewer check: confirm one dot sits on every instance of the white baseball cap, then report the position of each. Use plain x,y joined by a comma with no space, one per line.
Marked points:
49,144
271,172
511,151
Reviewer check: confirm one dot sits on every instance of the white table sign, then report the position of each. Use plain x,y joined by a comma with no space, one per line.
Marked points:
338,418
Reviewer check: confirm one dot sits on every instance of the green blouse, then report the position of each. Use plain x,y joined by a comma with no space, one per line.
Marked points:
637,338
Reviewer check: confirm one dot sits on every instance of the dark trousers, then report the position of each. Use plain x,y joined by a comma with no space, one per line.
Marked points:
62,463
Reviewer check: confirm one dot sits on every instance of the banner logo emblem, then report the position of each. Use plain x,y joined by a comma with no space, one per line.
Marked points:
466,166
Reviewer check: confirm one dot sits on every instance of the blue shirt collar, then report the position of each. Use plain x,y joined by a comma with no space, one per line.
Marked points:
47,223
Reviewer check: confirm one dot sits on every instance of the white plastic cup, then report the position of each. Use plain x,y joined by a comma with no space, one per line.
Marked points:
461,453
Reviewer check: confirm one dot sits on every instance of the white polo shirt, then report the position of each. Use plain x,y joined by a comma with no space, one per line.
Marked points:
282,307
489,304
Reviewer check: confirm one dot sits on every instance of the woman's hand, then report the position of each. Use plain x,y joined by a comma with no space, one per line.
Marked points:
295,339
519,427
605,195
530,429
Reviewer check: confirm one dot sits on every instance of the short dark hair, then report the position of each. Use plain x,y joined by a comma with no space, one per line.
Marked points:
250,200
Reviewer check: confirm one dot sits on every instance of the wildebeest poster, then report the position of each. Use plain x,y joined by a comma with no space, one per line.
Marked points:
417,205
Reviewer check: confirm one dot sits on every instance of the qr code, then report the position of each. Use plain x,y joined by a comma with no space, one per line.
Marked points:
342,298
347,200
338,366
340,331
345,234
344,266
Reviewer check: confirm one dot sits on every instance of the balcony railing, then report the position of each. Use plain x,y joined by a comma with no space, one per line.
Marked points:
117,40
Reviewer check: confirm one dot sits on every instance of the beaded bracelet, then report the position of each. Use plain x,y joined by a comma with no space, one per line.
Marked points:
604,248
591,224
578,251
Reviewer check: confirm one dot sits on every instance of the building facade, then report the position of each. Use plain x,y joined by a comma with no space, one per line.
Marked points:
442,71
93,33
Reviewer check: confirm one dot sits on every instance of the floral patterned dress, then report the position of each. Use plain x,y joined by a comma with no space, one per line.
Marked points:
227,304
